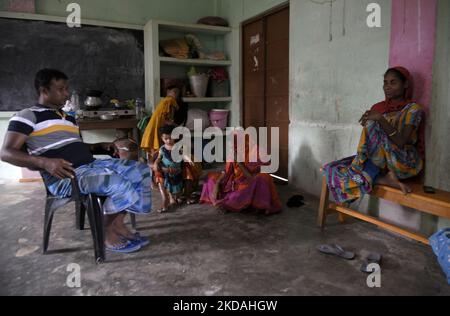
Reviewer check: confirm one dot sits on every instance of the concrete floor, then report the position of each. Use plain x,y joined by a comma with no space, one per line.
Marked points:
196,251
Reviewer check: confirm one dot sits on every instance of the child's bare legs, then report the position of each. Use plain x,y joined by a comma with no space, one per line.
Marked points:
173,200
151,165
165,198
188,190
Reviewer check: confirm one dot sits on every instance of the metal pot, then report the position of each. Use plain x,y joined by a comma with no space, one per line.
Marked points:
93,100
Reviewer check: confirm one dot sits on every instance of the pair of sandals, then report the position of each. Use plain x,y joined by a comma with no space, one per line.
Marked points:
179,202
130,245
336,250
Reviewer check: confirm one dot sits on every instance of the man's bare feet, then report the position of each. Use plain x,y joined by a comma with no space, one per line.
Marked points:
112,239
391,180
120,228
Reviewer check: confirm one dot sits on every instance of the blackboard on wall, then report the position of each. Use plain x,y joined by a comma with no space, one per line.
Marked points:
93,57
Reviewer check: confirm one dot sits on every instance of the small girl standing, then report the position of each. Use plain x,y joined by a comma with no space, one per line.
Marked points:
169,173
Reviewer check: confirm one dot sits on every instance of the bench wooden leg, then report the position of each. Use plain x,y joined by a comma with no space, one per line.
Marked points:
324,204
342,218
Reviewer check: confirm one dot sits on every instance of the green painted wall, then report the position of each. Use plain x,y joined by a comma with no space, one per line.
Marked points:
336,70
337,63
130,11
239,11
120,11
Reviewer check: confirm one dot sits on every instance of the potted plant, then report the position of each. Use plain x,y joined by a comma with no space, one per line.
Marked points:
199,82
220,82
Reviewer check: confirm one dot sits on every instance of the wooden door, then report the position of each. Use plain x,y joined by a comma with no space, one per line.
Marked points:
266,77
254,74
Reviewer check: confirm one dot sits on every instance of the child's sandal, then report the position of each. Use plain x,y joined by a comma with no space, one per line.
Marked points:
191,202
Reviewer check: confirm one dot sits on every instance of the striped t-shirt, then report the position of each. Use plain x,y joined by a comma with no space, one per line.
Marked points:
51,134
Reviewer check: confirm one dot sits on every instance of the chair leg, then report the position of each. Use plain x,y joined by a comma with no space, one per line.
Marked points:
95,216
80,215
133,221
324,204
48,220
100,232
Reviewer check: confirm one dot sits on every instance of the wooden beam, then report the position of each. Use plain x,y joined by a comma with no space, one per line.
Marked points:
383,225
324,200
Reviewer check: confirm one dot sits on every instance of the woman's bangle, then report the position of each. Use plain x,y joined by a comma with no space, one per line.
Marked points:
393,134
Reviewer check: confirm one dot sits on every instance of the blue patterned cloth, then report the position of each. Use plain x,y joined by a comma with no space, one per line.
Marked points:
126,184
440,242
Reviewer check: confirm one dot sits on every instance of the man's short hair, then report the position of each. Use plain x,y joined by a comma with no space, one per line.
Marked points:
44,78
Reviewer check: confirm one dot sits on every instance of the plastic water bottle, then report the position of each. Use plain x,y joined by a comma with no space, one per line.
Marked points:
75,100
139,108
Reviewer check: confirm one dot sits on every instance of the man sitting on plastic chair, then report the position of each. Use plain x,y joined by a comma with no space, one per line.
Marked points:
55,146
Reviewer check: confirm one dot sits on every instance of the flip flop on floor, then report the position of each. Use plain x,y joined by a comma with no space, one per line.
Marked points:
371,258
336,250
128,247
163,210
141,240
192,201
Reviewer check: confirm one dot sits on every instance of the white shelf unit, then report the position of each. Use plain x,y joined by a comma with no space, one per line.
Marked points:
157,67
194,62
205,100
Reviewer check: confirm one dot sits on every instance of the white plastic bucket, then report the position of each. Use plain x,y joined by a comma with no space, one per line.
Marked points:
199,85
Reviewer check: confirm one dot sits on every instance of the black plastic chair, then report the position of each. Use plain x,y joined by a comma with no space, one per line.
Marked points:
91,204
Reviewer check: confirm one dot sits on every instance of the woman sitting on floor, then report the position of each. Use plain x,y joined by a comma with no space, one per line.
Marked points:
242,186
389,147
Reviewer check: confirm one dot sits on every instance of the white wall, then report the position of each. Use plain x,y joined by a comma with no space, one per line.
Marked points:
7,171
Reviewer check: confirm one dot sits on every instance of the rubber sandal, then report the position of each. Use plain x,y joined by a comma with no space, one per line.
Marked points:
370,259
296,201
336,250
128,247
137,239
162,210
143,241
191,202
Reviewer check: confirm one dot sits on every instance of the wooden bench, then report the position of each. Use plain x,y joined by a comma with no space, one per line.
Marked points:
436,204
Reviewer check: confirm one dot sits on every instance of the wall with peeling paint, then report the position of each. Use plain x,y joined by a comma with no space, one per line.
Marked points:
131,11
337,63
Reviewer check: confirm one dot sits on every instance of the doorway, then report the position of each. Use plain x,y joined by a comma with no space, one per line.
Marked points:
265,59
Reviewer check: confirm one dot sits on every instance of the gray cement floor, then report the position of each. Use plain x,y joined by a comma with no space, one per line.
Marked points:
196,251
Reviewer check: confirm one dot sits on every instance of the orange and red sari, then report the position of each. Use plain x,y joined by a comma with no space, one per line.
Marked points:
239,192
